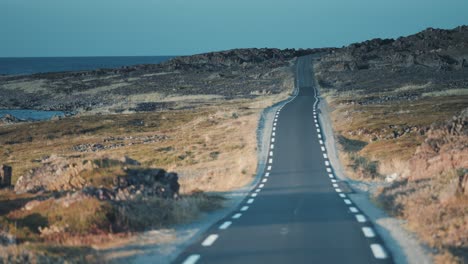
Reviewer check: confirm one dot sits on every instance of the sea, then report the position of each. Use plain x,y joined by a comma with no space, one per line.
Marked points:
21,66
24,66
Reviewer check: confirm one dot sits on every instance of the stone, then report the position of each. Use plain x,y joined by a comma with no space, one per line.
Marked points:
5,176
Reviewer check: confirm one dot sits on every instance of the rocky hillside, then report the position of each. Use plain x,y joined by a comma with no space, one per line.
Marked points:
230,74
437,56
399,109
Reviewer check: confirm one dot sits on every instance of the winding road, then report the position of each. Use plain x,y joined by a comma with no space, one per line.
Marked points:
298,212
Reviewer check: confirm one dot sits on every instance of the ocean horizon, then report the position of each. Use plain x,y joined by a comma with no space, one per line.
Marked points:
31,65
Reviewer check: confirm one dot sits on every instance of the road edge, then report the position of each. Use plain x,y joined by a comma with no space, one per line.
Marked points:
403,245
188,234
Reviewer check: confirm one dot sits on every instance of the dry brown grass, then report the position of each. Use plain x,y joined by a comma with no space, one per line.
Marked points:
211,147
349,119
432,207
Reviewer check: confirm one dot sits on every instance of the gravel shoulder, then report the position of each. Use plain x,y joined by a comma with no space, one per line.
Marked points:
403,245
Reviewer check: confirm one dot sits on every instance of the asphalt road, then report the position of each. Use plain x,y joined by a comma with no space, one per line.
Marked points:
297,213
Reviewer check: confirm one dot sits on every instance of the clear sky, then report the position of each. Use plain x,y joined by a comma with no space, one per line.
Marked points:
181,27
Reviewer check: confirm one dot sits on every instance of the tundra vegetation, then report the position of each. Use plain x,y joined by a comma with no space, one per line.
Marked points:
400,113
142,147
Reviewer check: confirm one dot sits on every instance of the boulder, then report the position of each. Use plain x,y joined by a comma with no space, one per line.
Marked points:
5,176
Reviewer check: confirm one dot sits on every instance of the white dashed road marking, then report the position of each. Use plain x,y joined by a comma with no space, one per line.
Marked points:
342,195
330,175
270,161
254,194
360,218
368,232
338,190
325,156
209,240
250,201
327,163
353,209
225,225
335,185
274,129
272,139
378,251
238,215
323,148
318,130
347,201
321,142
244,208
273,134
272,146
264,180
192,259
329,170
269,168
261,185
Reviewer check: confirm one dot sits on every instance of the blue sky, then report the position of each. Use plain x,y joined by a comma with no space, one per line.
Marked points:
181,27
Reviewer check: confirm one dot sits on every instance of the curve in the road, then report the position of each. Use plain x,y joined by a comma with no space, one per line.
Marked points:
297,213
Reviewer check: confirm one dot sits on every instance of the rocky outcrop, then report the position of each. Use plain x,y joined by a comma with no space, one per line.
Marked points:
5,176
8,119
445,149
55,174
435,55
58,174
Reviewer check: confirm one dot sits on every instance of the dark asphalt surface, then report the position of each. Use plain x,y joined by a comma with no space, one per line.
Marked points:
297,216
